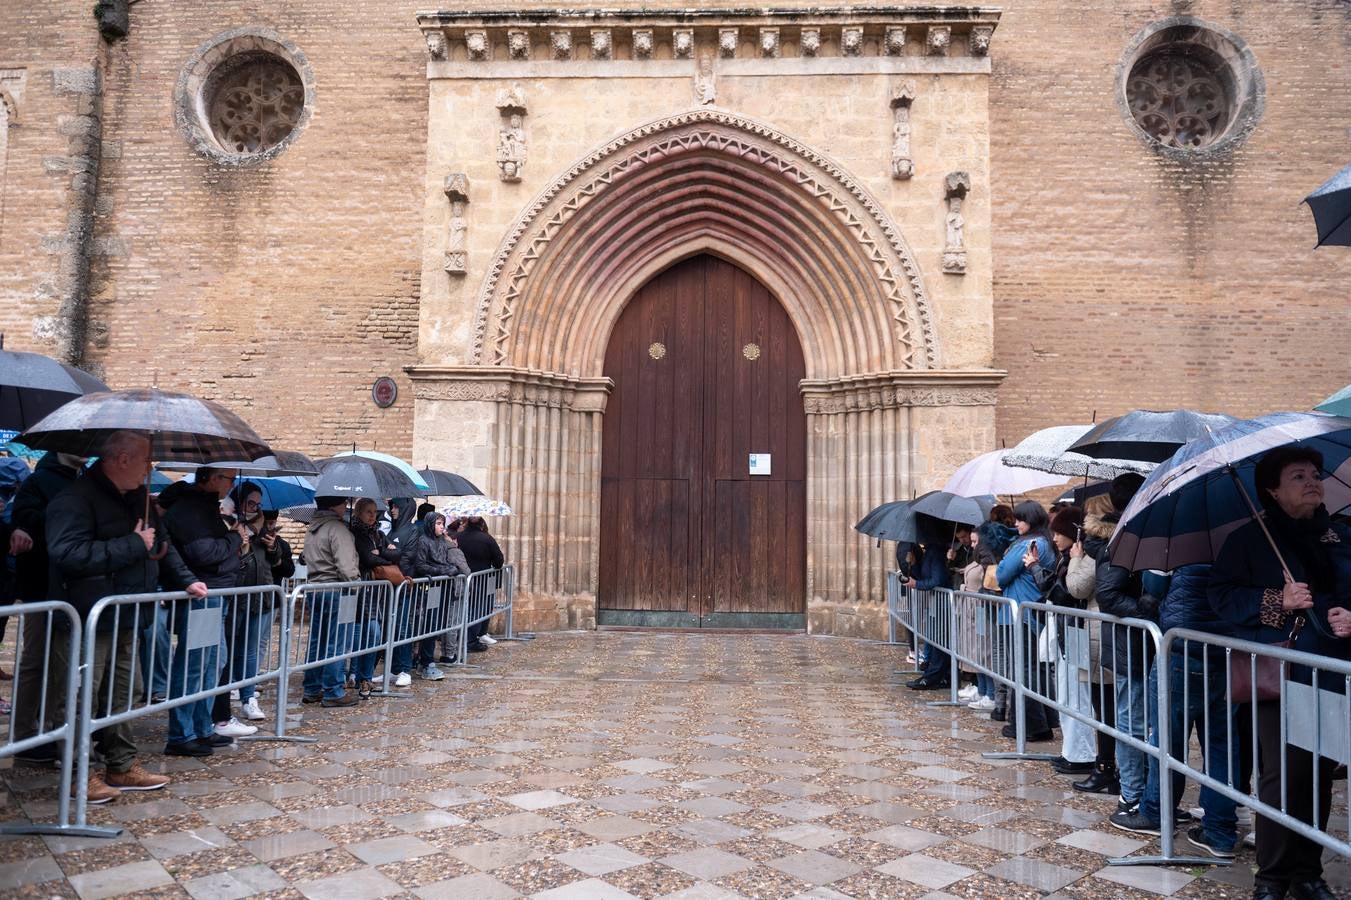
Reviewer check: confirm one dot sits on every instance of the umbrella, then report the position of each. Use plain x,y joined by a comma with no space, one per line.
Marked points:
1079,495
278,462
420,487
1186,509
1331,206
954,508
358,475
1339,404
283,491
1048,451
32,386
890,522
463,507
987,474
303,513
441,483
180,427
1147,435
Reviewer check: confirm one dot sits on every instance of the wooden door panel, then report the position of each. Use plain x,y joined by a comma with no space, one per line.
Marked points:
758,565
654,570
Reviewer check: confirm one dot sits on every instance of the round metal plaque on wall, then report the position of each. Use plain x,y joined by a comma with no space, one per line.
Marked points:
384,392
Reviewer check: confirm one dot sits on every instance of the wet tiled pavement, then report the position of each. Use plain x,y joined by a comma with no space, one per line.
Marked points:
613,765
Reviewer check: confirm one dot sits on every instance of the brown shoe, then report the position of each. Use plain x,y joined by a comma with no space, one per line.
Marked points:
344,700
136,779
99,792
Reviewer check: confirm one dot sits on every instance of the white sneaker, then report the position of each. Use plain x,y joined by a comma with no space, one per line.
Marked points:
981,704
487,639
968,693
403,679
252,710
234,695
234,728
432,673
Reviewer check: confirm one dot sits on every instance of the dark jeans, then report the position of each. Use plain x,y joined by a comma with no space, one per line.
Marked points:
327,638
1282,855
1204,708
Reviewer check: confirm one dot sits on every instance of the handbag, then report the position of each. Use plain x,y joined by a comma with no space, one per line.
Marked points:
991,582
1260,680
389,572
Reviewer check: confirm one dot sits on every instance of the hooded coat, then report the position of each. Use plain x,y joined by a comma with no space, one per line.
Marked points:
403,531
51,477
330,551
433,556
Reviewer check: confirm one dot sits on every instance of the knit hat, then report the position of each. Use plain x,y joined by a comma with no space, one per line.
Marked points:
1067,522
1124,488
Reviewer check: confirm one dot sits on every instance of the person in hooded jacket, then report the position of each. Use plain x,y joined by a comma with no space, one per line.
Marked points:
930,574
482,553
403,523
214,552
54,473
996,537
1250,592
433,555
1032,548
374,549
973,582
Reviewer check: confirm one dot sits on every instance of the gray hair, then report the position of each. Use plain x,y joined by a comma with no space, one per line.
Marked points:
123,441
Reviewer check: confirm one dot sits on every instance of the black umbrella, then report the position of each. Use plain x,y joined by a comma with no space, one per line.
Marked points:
180,427
1331,206
447,484
33,386
278,462
953,508
890,522
1148,436
360,476
1079,495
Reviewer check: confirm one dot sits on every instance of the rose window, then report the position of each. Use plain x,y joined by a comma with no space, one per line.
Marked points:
255,105
1179,100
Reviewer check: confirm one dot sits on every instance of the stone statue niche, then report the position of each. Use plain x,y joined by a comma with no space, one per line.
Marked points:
902,165
457,254
955,187
705,82
511,136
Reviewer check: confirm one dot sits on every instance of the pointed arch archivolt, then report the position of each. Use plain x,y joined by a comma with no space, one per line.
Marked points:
705,180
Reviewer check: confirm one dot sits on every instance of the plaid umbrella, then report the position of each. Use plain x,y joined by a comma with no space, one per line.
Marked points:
180,427
1048,451
33,386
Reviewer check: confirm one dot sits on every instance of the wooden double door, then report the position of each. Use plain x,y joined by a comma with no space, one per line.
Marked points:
694,533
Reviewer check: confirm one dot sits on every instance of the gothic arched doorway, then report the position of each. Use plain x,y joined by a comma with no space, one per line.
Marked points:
707,368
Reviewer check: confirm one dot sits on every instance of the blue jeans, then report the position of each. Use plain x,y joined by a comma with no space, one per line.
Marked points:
368,634
248,634
1132,764
193,670
1206,709
984,685
403,653
155,640
327,638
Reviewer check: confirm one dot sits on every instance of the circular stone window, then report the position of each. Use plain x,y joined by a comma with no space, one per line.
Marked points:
1188,87
244,96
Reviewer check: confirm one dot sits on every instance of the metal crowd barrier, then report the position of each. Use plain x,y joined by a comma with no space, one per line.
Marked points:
984,637
424,609
901,612
44,691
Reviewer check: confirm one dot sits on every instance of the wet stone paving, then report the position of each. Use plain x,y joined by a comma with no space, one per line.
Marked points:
610,765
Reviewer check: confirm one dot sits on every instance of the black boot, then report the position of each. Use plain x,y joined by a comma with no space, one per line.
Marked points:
1103,780
1311,890
1268,890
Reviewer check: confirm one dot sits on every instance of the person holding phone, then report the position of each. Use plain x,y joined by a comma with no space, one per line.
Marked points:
1032,546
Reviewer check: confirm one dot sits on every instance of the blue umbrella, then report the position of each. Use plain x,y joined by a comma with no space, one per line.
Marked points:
1192,502
1331,206
283,491
1339,404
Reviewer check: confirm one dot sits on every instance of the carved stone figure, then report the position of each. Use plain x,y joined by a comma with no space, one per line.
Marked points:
769,43
810,42
511,149
851,42
980,39
511,100
436,44
938,40
457,192
902,166
601,45
561,44
955,188
476,42
895,40
642,44
518,44
682,43
728,39
705,82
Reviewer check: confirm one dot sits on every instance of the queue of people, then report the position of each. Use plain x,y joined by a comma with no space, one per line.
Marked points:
81,532
1109,673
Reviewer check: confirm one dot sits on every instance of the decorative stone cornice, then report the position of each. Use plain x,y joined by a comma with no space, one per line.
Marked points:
505,384
568,36
887,390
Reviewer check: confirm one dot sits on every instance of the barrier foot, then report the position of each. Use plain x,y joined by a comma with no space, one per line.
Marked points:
288,738
522,637
395,695
945,703
1031,757
94,831
1168,861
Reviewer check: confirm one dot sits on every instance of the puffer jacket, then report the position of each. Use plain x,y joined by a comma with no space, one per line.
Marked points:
51,477
432,556
1119,592
208,546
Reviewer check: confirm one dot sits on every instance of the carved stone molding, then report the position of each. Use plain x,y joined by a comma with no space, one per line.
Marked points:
602,43
955,188
979,39
518,44
938,40
902,165
436,44
456,189
511,135
505,384
728,41
851,41
873,232
894,43
769,43
682,43
560,43
889,390
809,44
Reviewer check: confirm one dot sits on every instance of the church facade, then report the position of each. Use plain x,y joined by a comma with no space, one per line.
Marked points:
691,288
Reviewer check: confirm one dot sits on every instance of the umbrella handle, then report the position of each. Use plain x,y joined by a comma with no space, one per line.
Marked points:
1261,523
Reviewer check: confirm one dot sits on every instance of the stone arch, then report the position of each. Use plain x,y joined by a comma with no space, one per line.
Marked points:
705,180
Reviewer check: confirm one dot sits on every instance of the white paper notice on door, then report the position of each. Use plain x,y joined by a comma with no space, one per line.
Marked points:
759,464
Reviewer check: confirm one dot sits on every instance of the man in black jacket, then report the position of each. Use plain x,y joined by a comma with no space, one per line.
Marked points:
101,542
482,553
